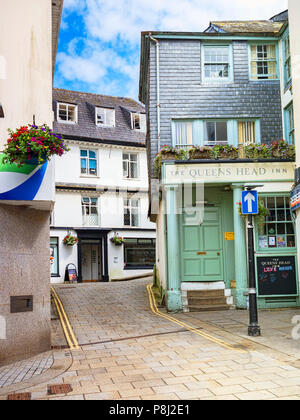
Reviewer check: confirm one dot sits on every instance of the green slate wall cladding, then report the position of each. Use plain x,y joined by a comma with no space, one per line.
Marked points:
183,95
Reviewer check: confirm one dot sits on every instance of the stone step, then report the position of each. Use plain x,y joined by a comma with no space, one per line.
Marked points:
207,301
205,293
203,308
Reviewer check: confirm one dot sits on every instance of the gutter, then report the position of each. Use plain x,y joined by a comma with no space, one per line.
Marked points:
157,89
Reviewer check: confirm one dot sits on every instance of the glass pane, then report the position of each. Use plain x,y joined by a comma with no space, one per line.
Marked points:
210,132
271,203
133,158
83,153
133,170
83,164
62,112
291,241
126,217
100,116
125,156
92,154
221,128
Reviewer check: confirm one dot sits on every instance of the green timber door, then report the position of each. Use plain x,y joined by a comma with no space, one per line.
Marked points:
202,249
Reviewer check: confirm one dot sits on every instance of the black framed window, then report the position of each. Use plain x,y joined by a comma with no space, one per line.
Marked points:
139,253
54,257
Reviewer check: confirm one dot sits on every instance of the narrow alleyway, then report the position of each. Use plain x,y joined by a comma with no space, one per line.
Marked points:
129,350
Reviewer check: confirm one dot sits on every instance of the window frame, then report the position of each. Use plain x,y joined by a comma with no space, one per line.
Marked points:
276,249
261,43
228,79
286,60
130,207
105,125
56,274
287,120
142,128
90,206
59,120
257,129
139,245
128,164
88,165
198,130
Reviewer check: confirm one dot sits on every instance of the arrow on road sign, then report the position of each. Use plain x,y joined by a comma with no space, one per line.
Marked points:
249,197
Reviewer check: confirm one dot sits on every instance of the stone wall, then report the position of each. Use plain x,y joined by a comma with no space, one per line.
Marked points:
24,270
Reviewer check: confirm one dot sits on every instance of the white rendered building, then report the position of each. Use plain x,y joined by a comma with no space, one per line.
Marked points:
101,189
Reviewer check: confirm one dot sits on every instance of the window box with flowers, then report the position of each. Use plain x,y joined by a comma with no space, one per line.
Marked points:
280,149
33,145
70,240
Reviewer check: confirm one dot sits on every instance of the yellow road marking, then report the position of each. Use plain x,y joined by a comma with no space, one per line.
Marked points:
69,334
209,337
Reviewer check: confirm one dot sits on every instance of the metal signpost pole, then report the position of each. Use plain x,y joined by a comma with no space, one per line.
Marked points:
253,328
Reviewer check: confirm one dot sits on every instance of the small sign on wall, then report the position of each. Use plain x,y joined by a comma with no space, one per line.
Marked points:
229,236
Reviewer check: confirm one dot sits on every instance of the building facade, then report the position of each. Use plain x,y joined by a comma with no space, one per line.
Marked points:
220,88
101,189
27,194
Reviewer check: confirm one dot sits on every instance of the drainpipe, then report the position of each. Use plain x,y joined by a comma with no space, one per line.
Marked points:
157,89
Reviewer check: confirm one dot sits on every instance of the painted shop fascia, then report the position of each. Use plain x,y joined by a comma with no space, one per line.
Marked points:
225,256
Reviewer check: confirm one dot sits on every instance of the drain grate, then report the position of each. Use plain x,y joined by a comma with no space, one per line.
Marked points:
59,389
26,396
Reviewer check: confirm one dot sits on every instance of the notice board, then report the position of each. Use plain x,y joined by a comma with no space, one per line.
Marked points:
276,275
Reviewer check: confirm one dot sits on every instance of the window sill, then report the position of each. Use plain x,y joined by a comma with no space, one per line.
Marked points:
142,267
67,122
90,176
55,275
131,179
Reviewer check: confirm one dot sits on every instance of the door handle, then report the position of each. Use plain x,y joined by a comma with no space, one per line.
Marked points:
201,253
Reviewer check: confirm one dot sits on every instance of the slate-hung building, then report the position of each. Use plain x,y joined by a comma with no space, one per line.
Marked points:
222,86
101,188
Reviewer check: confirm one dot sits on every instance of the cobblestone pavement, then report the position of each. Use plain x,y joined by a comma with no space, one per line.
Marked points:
129,352
24,370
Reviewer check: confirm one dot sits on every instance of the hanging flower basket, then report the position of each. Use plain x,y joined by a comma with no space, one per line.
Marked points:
33,145
117,240
70,240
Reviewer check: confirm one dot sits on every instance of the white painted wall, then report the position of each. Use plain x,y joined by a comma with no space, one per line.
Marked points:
68,212
109,166
25,63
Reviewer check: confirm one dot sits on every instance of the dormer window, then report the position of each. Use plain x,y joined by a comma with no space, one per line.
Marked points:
67,113
138,122
105,117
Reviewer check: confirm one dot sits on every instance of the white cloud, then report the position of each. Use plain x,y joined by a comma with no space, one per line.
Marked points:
108,53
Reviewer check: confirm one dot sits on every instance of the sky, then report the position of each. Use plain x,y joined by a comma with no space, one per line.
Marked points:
99,41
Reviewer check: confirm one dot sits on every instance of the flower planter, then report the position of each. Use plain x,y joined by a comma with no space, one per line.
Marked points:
200,154
169,155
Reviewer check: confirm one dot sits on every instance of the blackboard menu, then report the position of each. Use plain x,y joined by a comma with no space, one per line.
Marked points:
276,275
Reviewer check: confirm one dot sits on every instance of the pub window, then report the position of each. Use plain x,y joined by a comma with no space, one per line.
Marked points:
67,113
88,162
216,63
183,134
289,122
263,64
246,132
54,257
287,60
139,253
277,229
215,132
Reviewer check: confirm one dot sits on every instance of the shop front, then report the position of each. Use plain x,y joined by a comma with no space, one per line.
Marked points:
209,252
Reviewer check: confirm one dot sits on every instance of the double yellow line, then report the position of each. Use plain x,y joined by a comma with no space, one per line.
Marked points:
188,327
69,334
